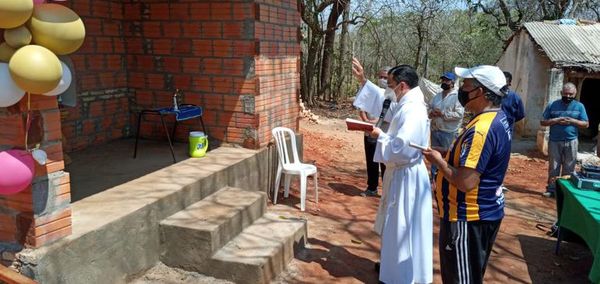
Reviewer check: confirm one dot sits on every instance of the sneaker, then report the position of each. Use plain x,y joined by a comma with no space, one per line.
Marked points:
548,194
368,193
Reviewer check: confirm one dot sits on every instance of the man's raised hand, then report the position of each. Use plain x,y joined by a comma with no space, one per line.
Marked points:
358,71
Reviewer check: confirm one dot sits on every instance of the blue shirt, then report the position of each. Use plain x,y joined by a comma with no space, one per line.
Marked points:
485,147
512,106
574,110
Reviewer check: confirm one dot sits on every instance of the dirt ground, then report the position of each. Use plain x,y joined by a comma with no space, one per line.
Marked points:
343,248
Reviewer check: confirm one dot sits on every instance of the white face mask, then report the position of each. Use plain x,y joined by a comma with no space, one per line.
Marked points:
390,94
383,83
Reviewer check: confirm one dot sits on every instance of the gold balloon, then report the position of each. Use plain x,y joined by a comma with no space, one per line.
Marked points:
14,13
6,52
35,69
57,28
17,37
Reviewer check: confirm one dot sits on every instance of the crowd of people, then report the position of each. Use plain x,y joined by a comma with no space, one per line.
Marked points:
468,160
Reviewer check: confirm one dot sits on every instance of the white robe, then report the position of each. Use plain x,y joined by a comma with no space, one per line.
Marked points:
405,215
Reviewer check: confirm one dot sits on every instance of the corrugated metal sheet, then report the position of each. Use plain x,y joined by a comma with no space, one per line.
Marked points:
568,45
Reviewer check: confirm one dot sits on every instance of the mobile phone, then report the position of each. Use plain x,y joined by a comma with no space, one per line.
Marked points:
420,147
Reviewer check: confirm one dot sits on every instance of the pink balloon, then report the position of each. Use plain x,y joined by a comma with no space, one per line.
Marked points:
17,172
39,2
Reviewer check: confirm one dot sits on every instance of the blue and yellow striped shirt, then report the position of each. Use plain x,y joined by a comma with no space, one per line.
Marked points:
485,147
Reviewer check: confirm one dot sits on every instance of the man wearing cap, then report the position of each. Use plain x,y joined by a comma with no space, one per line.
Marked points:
512,105
470,202
446,115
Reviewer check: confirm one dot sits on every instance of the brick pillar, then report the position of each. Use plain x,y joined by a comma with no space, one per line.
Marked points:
277,66
41,213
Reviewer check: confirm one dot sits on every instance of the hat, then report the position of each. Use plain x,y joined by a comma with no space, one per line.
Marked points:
448,75
489,76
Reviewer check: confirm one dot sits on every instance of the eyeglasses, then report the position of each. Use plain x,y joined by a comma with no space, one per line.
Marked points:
568,94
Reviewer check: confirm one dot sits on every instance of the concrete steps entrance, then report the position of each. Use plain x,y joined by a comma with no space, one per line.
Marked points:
228,235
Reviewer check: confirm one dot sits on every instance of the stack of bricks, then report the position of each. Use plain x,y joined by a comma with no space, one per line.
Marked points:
40,213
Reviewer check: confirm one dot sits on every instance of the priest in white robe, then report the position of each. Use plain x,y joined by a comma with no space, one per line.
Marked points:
404,218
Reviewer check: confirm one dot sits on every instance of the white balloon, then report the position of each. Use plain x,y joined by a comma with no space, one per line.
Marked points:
64,83
10,93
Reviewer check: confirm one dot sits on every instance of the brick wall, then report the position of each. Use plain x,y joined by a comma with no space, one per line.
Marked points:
277,66
103,97
236,59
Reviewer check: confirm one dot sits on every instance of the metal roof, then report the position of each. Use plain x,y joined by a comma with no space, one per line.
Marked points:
568,45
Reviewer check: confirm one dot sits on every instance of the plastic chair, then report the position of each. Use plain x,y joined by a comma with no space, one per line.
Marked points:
292,167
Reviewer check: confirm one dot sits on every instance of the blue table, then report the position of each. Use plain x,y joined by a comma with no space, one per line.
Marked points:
184,112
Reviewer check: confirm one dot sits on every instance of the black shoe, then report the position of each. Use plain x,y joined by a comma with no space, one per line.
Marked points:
368,193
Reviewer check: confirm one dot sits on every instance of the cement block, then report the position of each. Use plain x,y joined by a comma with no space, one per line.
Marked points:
193,235
260,253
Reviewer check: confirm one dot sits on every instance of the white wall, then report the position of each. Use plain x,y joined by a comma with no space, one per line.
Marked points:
530,70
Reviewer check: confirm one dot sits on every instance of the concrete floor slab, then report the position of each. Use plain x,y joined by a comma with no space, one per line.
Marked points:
116,232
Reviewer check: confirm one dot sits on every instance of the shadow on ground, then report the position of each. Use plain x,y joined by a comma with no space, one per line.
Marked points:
337,259
572,265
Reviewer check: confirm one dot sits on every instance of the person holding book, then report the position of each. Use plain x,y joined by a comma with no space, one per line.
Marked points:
373,168
404,218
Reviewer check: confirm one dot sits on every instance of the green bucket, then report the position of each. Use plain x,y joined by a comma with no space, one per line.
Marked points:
198,144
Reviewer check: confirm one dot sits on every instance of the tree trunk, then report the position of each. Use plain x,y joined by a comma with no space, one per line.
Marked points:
336,11
343,58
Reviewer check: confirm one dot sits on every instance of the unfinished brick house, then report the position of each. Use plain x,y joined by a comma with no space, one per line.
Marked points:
239,60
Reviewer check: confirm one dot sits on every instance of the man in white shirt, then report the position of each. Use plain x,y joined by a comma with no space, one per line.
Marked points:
446,113
404,218
373,168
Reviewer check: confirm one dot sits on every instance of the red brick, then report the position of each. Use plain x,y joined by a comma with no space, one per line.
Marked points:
47,238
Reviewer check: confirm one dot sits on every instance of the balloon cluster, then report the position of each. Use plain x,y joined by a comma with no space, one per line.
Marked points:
35,33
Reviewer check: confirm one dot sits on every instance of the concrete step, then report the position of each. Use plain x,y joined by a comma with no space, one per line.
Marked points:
193,235
260,252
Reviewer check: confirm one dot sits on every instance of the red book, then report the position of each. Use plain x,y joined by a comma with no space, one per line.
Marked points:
353,124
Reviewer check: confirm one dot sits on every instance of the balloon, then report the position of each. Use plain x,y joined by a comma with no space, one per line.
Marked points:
6,52
10,93
17,171
35,69
17,37
64,83
57,28
39,2
14,13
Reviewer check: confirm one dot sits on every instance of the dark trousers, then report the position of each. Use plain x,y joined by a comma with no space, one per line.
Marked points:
465,249
372,167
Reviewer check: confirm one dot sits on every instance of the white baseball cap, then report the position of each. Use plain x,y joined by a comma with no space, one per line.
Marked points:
489,76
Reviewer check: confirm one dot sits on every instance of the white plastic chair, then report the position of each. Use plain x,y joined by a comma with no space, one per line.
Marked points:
292,167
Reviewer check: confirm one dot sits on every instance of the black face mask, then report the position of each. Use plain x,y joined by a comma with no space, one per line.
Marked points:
445,86
463,97
567,100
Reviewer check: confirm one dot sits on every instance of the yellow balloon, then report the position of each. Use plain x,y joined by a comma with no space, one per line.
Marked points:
57,28
35,69
6,52
14,13
17,37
